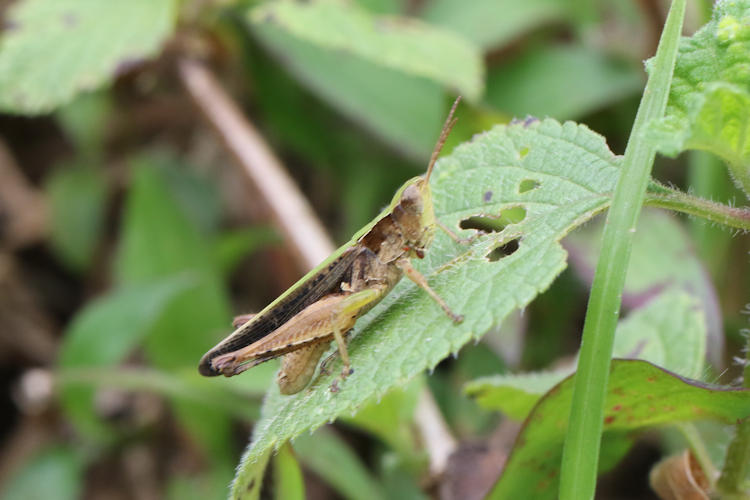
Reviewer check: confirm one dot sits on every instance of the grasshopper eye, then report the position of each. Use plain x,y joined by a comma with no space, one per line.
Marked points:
411,197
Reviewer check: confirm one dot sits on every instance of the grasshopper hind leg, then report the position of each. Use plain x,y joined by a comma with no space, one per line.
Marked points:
298,367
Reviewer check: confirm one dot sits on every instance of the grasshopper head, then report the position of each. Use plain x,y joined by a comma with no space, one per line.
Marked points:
414,213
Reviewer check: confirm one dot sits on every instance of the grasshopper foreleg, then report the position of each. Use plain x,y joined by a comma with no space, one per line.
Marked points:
405,265
452,235
352,305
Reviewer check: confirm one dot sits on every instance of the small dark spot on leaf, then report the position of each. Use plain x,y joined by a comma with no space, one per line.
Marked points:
609,419
503,250
527,185
529,120
69,20
487,196
251,484
269,18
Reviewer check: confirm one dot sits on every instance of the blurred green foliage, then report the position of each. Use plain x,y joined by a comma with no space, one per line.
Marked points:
352,95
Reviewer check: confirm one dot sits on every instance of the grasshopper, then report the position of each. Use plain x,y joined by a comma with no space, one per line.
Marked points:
324,305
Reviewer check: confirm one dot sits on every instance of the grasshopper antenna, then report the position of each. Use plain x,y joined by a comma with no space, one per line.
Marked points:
447,127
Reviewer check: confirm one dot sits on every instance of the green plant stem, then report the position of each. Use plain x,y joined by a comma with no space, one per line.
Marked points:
673,199
581,451
707,178
237,404
733,482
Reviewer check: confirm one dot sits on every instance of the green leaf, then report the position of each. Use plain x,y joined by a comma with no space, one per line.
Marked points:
289,483
640,395
663,257
585,80
668,331
709,102
330,458
105,332
493,23
77,197
383,6
399,43
559,176
53,49
404,110
158,240
391,417
85,122
52,473
248,483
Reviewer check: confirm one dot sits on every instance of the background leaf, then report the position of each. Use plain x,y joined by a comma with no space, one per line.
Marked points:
493,23
107,331
403,44
404,110
710,95
51,473
588,81
663,258
77,197
158,240
328,456
53,49
289,481
669,331
639,395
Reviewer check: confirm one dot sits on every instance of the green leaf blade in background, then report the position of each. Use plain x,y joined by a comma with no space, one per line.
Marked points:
493,23
586,81
709,102
403,44
54,472
158,240
77,197
54,49
404,110
639,395
663,258
573,173
668,331
104,333
289,481
330,458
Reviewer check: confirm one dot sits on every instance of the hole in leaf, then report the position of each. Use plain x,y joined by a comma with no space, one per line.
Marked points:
528,185
494,224
502,251
523,152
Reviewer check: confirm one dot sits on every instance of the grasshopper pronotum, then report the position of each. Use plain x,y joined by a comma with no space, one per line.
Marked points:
326,302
